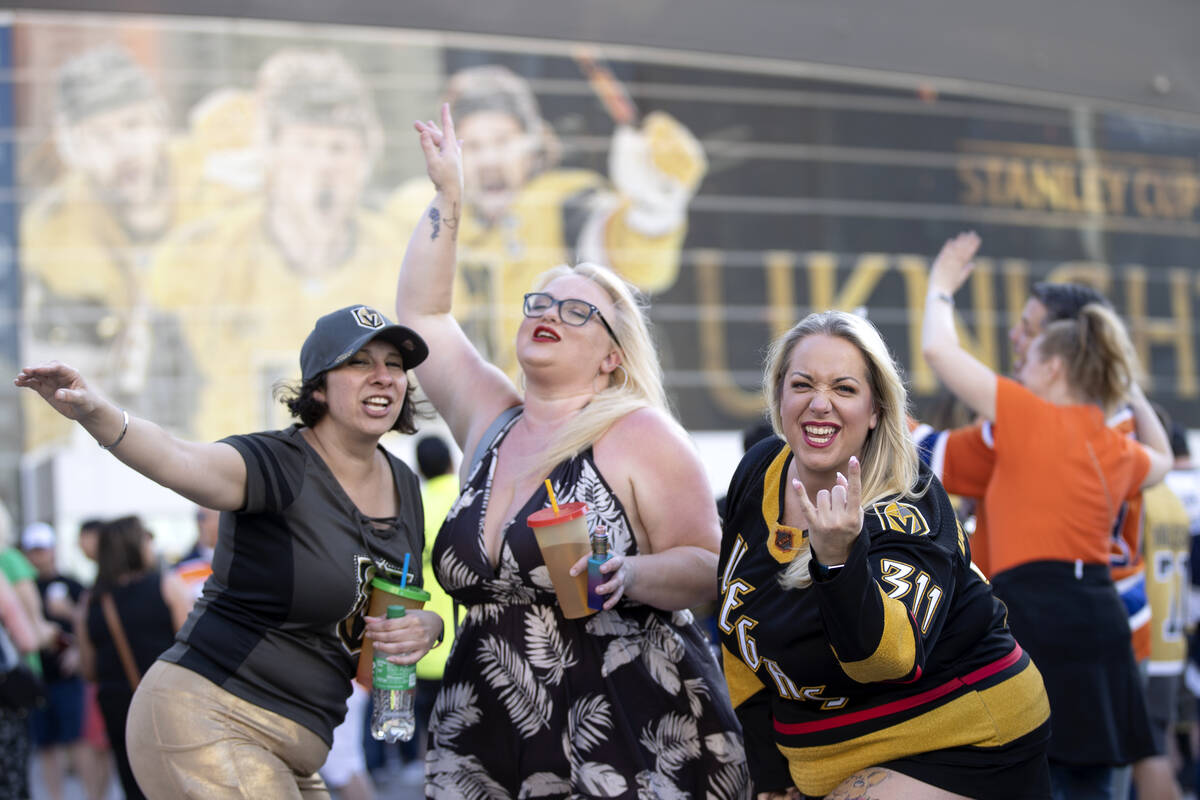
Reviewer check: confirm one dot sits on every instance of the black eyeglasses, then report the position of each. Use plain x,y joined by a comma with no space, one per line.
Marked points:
571,310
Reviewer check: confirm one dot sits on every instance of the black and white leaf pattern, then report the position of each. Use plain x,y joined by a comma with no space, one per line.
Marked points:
682,619
588,722
662,650
730,782
599,780
611,623
450,776
674,740
727,748
455,709
510,676
603,509
620,651
540,577
544,784
483,613
452,573
465,500
656,786
545,646
697,695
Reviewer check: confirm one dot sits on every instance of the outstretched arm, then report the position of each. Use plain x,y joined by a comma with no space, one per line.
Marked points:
210,474
465,389
967,377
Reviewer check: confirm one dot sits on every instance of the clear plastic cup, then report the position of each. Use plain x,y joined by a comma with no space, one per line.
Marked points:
563,540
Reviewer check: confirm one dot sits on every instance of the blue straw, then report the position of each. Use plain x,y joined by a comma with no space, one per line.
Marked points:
404,575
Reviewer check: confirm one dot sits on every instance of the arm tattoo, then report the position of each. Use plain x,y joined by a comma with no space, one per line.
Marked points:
436,219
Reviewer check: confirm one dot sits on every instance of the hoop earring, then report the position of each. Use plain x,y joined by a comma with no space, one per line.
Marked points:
624,375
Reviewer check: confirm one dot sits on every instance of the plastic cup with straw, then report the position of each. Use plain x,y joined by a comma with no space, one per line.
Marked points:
386,593
562,536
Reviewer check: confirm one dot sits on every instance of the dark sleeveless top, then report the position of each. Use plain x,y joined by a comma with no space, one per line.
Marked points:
147,622
624,703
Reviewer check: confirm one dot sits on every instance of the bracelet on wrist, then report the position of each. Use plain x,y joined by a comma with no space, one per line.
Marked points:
944,296
121,435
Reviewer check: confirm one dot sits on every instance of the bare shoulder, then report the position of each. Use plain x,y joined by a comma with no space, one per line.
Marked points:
646,439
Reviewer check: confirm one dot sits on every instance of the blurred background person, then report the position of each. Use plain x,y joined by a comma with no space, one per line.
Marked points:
1167,551
522,211
194,567
94,736
20,633
117,647
86,240
246,283
58,724
1055,491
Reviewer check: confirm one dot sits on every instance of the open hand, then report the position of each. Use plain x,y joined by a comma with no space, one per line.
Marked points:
836,517
62,387
953,264
443,154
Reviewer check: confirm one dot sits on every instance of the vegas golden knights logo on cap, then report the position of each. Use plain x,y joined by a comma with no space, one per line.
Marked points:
368,317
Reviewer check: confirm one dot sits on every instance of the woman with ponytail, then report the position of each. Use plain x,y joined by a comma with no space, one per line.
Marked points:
1059,479
627,702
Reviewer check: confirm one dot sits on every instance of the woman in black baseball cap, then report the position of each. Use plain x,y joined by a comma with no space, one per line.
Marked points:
249,695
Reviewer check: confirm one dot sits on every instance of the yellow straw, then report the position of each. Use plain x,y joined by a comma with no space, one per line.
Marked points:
553,501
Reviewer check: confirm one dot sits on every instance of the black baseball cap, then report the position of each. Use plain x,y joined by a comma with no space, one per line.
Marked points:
342,333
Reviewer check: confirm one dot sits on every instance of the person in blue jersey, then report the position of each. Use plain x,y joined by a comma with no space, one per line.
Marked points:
859,646
243,705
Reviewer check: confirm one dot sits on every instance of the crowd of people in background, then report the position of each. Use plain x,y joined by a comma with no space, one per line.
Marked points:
919,611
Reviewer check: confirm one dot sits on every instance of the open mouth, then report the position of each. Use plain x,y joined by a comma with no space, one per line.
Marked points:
544,333
378,406
819,434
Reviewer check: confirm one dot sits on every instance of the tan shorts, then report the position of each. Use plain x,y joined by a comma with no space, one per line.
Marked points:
189,738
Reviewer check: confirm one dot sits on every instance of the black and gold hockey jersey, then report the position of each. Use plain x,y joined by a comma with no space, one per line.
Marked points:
902,651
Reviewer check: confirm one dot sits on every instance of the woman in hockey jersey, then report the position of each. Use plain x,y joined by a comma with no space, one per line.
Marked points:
860,648
1059,479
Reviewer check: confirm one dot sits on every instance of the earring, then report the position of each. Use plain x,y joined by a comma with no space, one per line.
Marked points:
624,376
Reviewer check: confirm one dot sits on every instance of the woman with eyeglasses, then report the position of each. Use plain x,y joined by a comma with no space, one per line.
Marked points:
245,702
627,702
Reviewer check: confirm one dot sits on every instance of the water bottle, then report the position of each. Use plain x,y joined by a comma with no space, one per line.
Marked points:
394,688
599,555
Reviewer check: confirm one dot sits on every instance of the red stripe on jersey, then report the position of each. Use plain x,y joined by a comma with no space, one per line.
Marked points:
928,696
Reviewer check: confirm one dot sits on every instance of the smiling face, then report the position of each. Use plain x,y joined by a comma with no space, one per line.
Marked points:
548,341
366,393
498,160
826,406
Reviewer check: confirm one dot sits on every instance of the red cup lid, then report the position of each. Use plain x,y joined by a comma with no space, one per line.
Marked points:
546,516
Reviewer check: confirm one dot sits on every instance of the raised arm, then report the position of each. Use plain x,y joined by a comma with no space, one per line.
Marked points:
967,377
212,475
1152,436
464,388
659,478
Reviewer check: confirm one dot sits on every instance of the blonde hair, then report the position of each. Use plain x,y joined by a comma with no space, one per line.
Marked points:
889,457
1099,357
637,383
